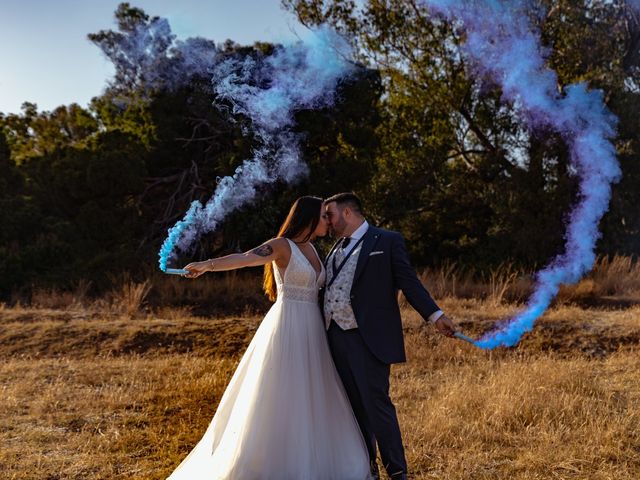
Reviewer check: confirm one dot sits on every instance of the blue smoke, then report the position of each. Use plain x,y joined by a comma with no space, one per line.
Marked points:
147,57
267,90
501,44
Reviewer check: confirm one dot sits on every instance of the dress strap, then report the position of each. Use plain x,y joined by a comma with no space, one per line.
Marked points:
318,257
293,248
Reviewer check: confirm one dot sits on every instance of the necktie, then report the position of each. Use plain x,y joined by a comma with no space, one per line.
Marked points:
340,252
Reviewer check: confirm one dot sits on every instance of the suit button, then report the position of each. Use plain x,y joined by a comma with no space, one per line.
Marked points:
353,296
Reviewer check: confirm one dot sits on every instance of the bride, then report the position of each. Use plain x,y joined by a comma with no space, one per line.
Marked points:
284,414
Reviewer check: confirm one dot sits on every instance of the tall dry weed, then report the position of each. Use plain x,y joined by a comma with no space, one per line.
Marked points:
618,275
500,282
504,284
54,298
130,298
240,292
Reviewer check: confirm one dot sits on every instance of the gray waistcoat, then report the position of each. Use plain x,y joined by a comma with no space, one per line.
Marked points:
337,297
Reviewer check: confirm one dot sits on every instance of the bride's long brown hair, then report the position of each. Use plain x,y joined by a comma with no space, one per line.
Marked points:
304,213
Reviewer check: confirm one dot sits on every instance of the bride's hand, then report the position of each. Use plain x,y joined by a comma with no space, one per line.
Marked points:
196,269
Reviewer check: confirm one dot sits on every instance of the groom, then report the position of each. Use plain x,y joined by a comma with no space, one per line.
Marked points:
365,269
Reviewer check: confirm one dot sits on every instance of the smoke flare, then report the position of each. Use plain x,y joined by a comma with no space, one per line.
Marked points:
502,45
267,90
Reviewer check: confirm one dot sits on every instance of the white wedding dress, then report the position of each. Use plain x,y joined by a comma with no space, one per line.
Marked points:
285,414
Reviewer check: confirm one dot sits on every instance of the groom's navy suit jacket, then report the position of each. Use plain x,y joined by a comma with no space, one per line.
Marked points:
374,293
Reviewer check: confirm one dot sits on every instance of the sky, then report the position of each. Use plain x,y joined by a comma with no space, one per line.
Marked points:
45,57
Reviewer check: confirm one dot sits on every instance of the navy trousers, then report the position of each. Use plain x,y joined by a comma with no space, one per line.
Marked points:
366,381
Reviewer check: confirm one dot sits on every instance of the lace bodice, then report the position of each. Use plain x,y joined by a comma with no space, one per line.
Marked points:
299,282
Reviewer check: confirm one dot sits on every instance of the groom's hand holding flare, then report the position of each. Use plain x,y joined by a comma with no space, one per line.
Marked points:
445,326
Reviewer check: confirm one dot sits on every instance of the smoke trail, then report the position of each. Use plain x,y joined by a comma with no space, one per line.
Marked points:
267,90
501,44
147,57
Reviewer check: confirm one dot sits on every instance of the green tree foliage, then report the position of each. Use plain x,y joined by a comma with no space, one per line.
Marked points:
32,133
73,214
101,186
432,149
15,218
455,170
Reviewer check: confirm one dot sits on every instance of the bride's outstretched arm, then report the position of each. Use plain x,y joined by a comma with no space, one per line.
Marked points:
276,249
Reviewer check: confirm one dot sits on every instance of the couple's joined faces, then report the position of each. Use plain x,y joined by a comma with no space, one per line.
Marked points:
335,218
323,224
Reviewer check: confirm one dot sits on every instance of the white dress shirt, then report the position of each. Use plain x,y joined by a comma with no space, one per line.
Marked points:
357,235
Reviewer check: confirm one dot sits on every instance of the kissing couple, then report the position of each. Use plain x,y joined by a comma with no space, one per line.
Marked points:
309,399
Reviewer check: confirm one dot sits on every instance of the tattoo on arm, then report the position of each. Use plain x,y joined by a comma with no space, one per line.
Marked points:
263,250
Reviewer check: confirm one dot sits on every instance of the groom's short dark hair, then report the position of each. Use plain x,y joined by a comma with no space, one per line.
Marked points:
349,199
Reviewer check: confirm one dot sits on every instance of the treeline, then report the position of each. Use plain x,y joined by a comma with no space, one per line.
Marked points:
88,193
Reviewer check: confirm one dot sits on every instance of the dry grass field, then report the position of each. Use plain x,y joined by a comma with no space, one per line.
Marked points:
123,386
91,394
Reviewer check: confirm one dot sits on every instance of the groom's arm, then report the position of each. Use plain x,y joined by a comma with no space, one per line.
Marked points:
406,279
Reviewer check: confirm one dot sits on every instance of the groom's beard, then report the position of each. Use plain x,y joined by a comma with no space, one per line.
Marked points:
336,235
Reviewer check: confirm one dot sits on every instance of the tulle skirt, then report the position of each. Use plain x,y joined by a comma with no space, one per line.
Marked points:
285,414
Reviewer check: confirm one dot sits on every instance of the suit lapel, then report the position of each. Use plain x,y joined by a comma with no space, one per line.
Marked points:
370,239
